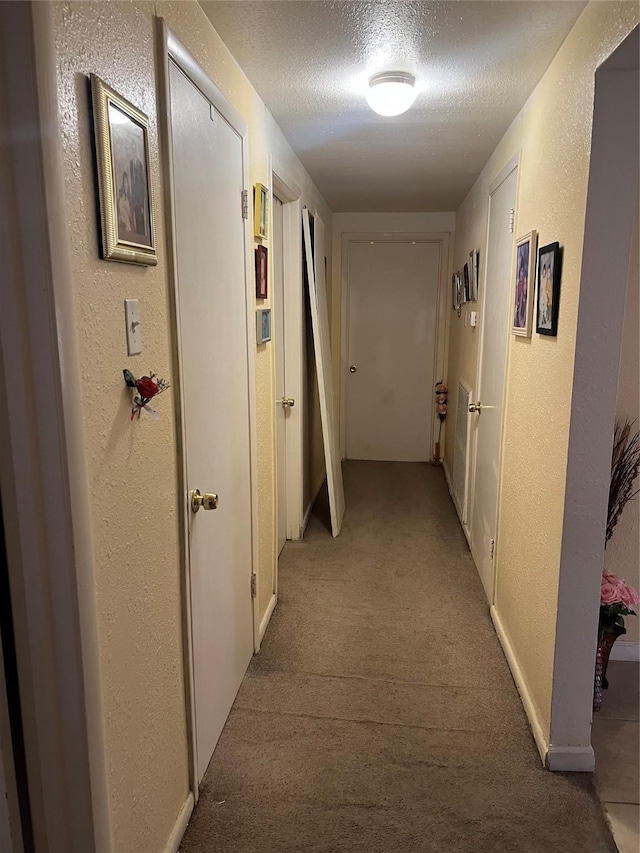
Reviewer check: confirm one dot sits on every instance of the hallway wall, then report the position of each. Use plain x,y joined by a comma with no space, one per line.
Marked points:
553,135
133,473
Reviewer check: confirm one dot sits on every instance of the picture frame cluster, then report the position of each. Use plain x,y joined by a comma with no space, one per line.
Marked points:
464,283
536,287
261,211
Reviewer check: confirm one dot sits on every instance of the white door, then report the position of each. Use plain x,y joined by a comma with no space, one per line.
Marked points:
315,265
282,401
208,181
392,308
495,332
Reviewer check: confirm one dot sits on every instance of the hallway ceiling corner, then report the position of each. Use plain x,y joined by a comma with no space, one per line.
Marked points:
475,63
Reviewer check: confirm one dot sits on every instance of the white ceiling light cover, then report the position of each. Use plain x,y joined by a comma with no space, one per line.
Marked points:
391,93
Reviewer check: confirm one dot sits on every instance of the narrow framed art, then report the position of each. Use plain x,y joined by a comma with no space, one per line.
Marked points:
263,325
260,211
262,266
124,185
548,289
524,285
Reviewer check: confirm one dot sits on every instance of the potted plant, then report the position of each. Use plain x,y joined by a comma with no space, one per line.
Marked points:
617,598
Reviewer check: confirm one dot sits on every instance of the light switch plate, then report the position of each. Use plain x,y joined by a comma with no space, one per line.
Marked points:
473,319
132,319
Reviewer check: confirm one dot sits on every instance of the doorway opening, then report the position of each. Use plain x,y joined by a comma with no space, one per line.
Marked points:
392,283
289,335
487,416
206,159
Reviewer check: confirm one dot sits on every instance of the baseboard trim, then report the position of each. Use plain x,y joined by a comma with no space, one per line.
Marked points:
464,527
306,518
523,690
448,479
264,623
626,650
179,827
571,759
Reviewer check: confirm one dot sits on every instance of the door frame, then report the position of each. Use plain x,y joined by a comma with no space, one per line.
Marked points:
49,547
290,196
173,50
496,183
443,238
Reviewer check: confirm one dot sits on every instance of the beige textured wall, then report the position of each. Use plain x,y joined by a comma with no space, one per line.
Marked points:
622,556
133,475
553,133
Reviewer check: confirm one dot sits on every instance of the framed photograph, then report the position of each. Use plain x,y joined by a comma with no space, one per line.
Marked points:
454,292
548,289
459,293
474,258
124,187
263,325
260,211
262,266
524,286
466,290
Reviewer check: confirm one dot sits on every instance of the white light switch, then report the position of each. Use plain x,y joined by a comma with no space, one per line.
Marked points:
132,319
473,319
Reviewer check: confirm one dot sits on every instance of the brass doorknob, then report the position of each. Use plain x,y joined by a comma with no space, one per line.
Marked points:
287,403
207,501
353,368
475,407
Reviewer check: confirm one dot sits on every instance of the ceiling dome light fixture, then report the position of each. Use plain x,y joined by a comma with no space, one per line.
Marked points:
391,92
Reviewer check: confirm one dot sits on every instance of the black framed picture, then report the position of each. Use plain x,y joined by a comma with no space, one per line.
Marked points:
548,289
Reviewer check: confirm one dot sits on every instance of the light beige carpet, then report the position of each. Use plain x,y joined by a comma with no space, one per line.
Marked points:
380,714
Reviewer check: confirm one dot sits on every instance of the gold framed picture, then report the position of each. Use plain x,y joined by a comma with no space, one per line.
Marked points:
122,157
260,211
524,285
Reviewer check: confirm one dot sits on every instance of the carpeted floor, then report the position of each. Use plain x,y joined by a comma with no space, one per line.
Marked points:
380,714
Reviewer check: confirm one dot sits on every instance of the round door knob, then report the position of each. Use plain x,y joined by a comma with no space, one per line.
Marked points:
475,407
353,368
207,501
287,402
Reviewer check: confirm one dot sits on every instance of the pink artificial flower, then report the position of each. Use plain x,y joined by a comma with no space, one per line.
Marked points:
609,593
628,596
614,590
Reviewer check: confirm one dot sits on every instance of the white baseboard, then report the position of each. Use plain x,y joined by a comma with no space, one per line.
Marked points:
576,759
306,518
464,527
264,623
626,650
309,509
523,690
571,759
179,827
447,478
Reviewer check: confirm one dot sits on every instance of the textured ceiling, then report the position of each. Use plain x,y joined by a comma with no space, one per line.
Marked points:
475,62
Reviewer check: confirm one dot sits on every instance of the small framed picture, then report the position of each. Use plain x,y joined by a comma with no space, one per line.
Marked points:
524,286
475,271
262,266
263,325
548,289
124,186
260,211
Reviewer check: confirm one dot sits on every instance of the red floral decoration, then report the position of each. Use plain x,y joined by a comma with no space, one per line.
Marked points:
147,387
